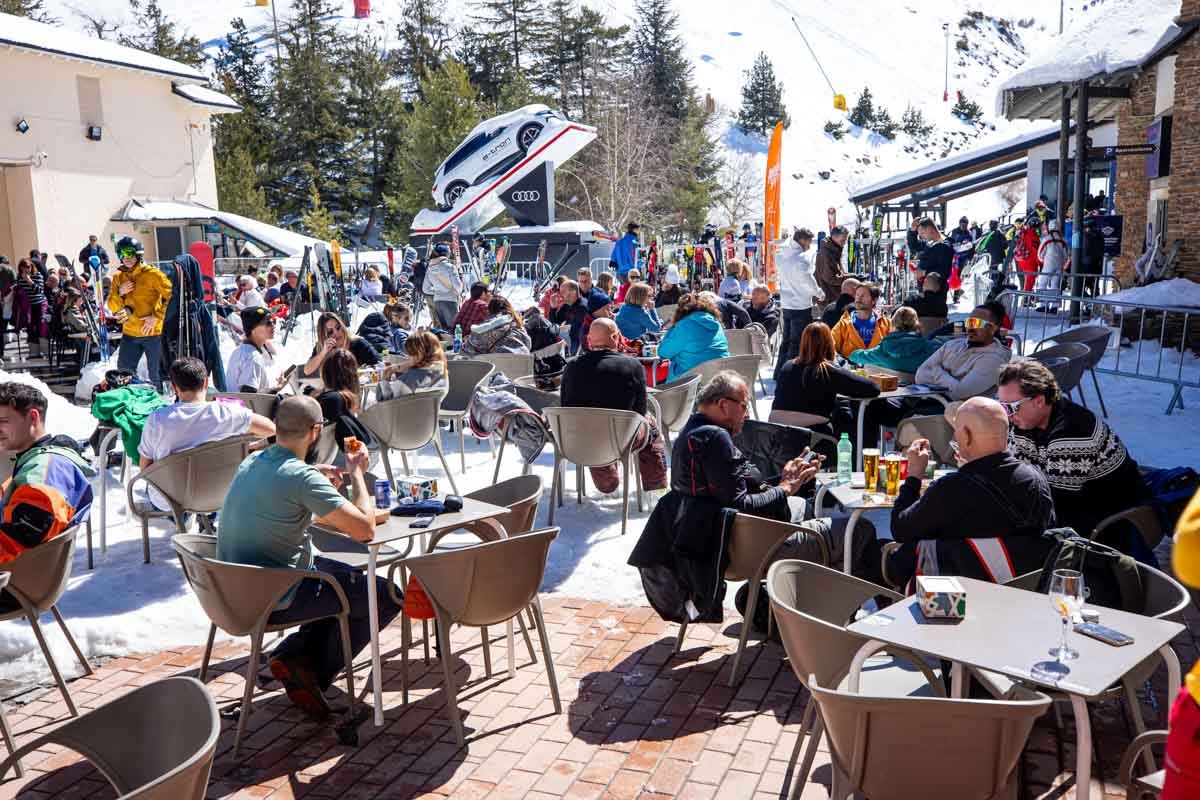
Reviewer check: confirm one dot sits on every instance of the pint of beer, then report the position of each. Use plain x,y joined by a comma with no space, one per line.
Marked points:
871,469
892,485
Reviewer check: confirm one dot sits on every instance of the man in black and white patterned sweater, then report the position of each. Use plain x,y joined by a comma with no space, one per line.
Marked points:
1091,474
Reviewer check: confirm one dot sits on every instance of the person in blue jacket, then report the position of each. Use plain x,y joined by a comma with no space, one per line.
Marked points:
695,336
624,252
637,315
904,349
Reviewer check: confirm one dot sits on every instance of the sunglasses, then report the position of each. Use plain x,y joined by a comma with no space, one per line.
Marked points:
127,253
975,323
1012,407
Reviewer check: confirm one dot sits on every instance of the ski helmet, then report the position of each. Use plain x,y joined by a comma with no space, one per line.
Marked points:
130,243
441,249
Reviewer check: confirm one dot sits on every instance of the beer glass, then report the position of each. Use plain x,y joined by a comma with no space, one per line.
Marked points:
870,469
892,485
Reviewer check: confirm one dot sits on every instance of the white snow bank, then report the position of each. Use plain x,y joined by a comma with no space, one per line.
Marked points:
61,416
1175,292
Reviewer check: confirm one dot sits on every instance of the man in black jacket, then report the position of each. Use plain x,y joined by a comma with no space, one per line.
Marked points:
573,313
833,312
938,255
733,316
762,309
984,521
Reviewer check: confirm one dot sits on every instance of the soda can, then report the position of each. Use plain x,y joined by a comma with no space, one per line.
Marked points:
383,494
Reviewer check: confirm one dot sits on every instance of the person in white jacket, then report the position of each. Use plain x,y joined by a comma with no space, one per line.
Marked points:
1052,253
445,284
797,289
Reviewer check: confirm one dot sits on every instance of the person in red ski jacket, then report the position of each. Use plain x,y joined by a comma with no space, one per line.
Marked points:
1026,253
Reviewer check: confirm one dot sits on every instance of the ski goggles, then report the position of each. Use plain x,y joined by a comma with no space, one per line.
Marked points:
975,323
1013,406
127,252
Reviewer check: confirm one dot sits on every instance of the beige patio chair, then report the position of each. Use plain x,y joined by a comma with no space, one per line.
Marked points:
155,743
796,419
740,341
666,313
676,400
747,366
511,365
486,585
258,402
1077,356
4,729
1096,338
37,579
979,743
1149,785
813,604
465,377
935,427
239,599
195,480
753,543
406,423
594,437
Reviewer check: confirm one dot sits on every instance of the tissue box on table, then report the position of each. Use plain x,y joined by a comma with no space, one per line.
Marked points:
941,597
415,487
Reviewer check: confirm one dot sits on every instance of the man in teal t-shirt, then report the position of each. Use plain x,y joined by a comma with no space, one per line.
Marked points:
273,499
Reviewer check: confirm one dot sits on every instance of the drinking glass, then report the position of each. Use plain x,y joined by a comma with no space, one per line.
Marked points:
892,476
1066,597
870,469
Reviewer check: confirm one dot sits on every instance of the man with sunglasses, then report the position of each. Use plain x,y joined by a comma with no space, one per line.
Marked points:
1091,473
139,297
970,366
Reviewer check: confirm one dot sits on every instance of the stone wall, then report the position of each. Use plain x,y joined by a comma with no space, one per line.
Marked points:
1183,208
1133,187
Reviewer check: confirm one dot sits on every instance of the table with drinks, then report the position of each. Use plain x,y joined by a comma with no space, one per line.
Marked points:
913,390
862,491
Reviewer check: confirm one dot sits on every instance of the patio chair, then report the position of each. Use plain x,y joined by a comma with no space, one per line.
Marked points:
538,401
796,419
747,366
155,743
1060,367
1145,786
511,365
465,376
406,423
4,729
484,585
594,437
1144,518
979,744
935,427
258,402
1096,338
36,580
740,341
666,313
239,599
753,543
195,480
812,605
1076,354
676,400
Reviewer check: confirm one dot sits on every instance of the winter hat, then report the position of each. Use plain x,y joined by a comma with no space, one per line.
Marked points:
597,300
441,249
673,278
253,317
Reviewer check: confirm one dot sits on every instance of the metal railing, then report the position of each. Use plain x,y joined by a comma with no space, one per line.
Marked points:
982,283
1137,322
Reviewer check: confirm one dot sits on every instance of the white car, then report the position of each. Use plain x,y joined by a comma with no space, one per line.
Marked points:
492,147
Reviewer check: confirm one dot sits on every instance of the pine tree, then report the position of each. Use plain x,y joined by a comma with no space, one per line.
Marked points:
517,92
423,40
657,51
883,124
696,165
600,52
34,9
505,35
238,189
762,99
863,113
559,39
967,109
913,123
154,32
242,142
316,219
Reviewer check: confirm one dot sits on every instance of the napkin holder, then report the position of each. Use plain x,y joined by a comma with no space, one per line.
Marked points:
941,597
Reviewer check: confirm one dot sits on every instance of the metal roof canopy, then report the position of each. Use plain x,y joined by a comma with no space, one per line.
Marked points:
978,182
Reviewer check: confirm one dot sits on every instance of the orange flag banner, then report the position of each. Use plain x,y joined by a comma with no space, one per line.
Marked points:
771,231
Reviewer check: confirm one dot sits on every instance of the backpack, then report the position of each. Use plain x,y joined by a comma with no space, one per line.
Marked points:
1169,491
1110,577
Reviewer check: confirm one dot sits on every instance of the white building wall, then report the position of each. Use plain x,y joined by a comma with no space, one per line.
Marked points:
1102,136
154,144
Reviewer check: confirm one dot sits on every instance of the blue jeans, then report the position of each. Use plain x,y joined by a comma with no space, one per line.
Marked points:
792,326
319,643
131,351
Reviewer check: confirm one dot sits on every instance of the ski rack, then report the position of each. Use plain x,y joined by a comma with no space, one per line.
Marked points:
539,289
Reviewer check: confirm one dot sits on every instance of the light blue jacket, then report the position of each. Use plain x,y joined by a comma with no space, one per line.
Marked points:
696,338
633,321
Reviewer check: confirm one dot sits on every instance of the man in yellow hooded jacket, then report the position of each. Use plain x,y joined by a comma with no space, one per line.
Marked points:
139,296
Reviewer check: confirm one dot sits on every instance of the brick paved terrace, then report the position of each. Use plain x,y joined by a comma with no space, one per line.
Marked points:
638,722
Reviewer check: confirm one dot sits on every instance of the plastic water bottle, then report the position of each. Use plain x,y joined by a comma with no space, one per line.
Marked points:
457,338
845,453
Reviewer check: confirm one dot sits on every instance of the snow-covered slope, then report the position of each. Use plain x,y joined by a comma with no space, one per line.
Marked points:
896,47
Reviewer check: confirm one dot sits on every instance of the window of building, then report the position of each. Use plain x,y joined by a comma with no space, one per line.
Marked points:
91,110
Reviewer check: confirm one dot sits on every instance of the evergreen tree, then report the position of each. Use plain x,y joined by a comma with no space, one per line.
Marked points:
696,164
316,219
238,189
600,52
762,99
242,142
559,40
517,92
883,124
423,40
863,113
657,52
486,65
34,9
967,109
913,123
505,36
154,32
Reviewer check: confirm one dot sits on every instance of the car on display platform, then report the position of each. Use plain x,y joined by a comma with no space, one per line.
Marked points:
490,149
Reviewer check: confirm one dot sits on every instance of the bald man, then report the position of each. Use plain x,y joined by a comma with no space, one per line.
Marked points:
984,521
602,377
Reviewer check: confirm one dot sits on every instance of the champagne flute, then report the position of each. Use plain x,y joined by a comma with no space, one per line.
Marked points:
1066,597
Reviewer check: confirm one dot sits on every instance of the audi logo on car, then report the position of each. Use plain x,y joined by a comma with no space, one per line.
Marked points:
526,197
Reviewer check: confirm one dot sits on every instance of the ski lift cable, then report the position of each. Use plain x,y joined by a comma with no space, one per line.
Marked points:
814,55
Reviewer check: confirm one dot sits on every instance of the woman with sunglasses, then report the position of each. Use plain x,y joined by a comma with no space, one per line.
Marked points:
332,335
252,364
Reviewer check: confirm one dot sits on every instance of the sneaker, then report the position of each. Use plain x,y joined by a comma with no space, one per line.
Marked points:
301,686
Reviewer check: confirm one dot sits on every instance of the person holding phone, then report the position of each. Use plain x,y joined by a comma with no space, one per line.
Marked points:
251,366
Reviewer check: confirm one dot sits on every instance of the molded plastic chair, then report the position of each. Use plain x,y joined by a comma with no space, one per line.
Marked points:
1144,518
154,743
747,366
740,342
194,480
979,744
407,423
593,437
240,598
675,403
753,543
1059,366
485,585
1077,355
37,579
796,419
666,313
4,729
935,428
1142,786
511,365
465,376
258,402
1096,338
813,604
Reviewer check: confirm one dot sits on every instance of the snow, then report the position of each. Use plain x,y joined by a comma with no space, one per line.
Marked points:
1178,292
279,239
207,97
27,34
1116,37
